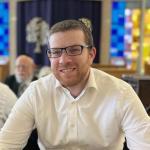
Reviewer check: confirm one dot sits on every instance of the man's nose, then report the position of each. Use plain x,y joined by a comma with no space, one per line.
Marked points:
20,67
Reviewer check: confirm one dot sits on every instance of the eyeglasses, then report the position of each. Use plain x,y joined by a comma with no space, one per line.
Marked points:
70,50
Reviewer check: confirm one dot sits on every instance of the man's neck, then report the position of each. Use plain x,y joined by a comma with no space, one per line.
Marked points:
77,89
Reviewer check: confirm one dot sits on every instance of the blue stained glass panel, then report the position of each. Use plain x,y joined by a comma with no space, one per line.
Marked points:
121,39
117,47
121,31
1,52
113,39
6,6
122,5
120,54
121,21
115,5
1,46
113,31
120,46
4,32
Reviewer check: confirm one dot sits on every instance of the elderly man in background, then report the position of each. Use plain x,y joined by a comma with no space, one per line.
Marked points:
24,74
7,100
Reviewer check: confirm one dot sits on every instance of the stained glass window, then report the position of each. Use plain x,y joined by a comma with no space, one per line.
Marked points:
117,33
4,32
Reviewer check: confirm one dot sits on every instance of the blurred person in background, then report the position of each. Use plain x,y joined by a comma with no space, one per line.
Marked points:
7,101
24,74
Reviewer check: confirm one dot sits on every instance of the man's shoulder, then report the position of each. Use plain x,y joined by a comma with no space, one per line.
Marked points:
43,85
108,79
101,74
5,90
44,81
10,78
3,86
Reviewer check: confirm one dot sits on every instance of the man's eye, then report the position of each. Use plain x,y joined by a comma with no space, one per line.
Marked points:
74,50
55,52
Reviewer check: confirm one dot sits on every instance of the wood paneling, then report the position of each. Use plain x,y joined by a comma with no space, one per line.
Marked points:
118,71
4,71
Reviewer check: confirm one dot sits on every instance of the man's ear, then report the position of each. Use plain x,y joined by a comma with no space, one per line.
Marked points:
92,54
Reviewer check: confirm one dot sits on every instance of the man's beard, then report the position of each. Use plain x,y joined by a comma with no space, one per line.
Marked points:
19,78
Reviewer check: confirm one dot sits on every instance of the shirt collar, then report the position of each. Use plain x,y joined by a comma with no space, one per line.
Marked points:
58,85
91,83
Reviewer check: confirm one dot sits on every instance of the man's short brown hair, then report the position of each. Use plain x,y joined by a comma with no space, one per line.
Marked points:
67,25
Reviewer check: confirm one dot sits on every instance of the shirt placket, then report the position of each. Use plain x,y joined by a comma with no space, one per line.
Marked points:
72,123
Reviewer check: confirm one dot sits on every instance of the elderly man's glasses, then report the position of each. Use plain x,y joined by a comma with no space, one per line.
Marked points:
70,50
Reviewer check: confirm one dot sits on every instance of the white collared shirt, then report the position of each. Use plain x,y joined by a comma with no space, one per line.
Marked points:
7,101
104,113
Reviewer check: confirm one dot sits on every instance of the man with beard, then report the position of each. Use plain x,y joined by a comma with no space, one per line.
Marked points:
77,107
24,74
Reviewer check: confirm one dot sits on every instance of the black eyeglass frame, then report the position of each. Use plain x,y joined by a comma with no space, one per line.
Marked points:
48,51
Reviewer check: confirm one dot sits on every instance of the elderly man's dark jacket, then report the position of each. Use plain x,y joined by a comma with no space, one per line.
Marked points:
13,84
